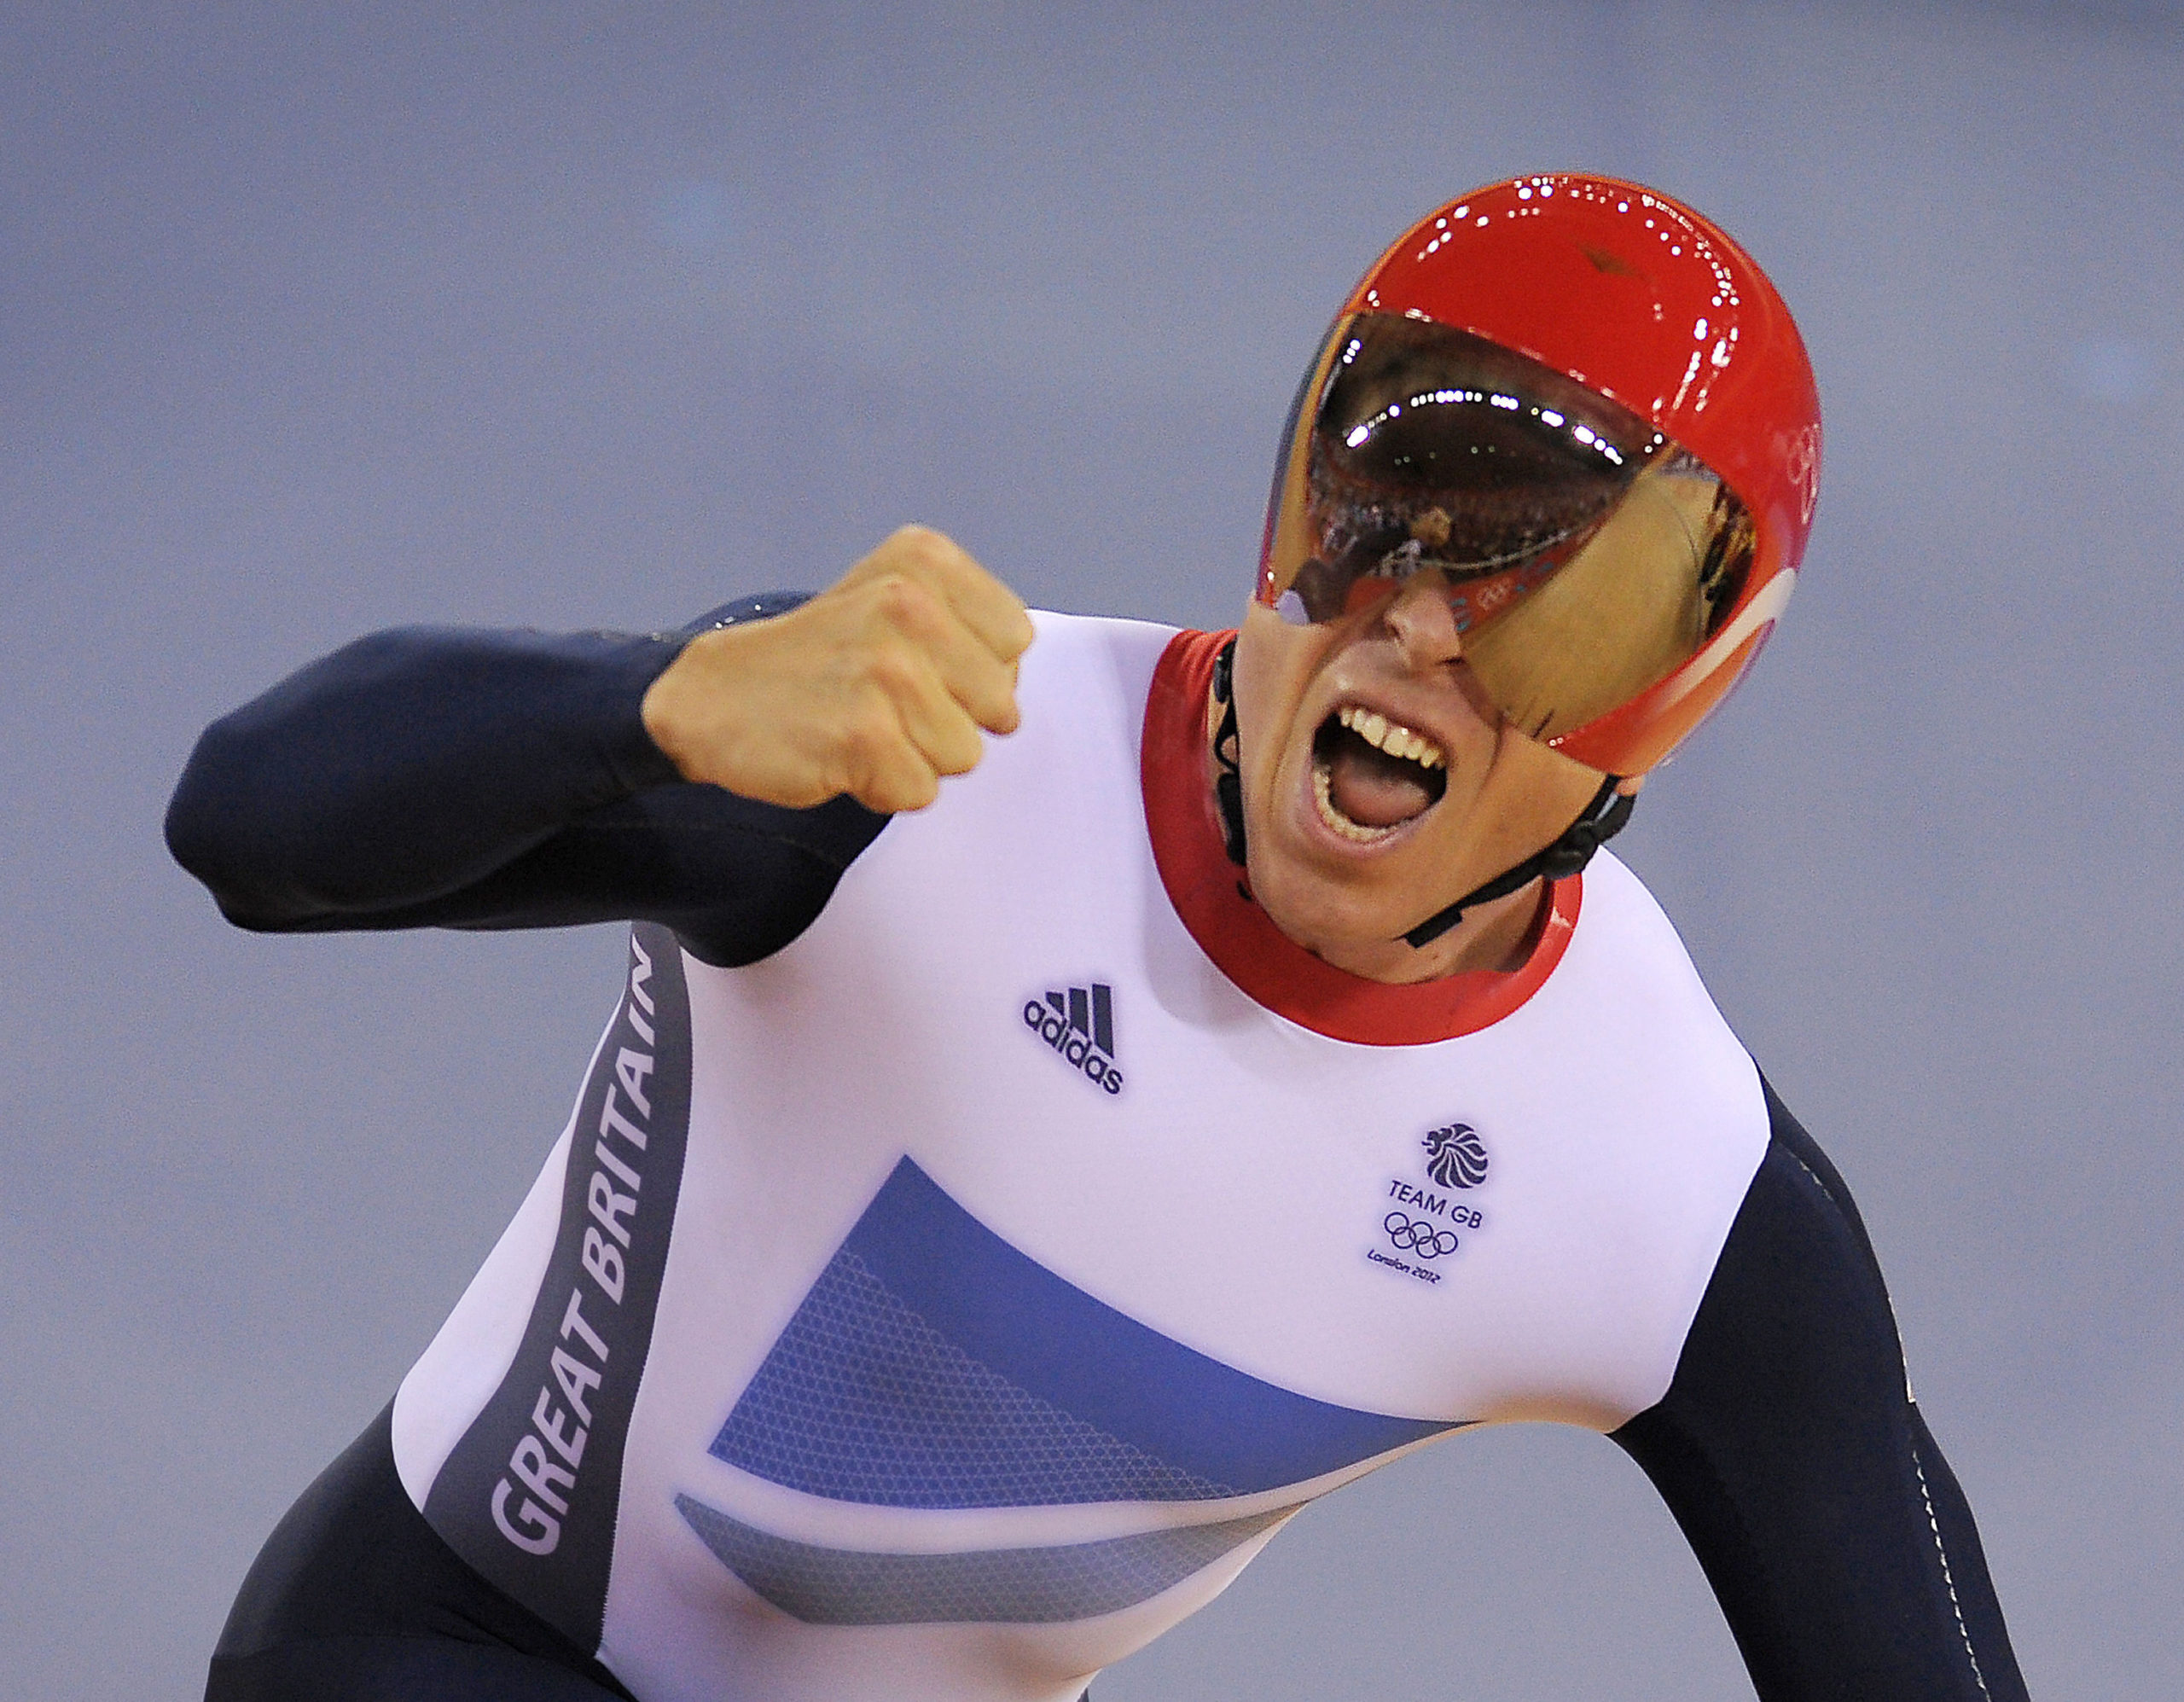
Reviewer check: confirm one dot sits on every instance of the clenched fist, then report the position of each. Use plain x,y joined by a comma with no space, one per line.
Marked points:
875,687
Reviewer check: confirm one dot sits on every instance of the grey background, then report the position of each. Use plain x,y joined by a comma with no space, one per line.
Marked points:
317,318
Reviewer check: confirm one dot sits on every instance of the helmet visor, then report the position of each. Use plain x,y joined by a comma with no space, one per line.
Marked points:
1584,556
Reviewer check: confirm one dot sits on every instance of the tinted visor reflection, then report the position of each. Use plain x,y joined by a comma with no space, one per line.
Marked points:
1585,555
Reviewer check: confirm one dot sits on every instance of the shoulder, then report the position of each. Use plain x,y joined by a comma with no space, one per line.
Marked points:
1797,1303
1081,687
1627,922
1800,1214
1065,781
1093,653
1627,970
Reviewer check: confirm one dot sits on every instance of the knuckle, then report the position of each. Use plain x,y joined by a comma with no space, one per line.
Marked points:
877,730
903,603
906,790
892,671
867,734
1017,632
920,546
957,750
986,707
993,692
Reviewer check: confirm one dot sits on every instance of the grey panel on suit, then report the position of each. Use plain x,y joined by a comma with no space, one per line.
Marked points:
990,1586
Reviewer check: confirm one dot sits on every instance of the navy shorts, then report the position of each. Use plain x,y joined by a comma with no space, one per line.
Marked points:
355,1599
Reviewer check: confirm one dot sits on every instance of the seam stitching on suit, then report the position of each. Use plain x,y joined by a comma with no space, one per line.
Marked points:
1941,1552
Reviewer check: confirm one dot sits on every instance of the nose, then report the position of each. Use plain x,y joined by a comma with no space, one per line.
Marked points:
1423,624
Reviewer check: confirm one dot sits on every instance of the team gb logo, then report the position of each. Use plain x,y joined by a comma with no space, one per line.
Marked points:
1455,1157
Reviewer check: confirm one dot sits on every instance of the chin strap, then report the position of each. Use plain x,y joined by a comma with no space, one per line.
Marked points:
1600,821
1227,779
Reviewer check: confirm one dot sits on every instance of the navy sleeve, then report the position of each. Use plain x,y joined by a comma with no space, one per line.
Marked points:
1792,1453
449,777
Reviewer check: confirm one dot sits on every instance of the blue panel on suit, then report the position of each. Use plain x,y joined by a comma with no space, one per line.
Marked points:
933,1365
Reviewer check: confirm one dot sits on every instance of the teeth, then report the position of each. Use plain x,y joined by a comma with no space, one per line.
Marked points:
1355,831
1376,730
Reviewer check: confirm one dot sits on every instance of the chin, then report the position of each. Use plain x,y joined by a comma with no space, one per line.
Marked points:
1334,911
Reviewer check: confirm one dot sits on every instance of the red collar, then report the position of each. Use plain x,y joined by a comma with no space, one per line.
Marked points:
1207,891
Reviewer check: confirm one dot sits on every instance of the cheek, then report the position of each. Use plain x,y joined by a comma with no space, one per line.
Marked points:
1272,670
1479,765
1533,793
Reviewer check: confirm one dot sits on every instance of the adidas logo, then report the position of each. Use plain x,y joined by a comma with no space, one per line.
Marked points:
1080,1024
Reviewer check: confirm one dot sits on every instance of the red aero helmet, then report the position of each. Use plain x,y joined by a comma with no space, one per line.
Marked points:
1586,406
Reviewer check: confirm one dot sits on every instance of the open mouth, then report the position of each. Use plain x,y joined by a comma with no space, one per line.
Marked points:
1370,775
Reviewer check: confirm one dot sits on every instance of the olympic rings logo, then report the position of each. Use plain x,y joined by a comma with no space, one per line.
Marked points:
1416,1235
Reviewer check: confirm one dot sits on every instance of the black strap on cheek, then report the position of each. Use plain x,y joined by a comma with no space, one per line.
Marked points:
1227,780
1601,820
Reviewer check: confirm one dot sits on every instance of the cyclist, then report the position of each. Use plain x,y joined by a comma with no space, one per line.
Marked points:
1080,1091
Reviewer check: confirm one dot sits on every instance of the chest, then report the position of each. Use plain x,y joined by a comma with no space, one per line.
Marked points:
1517,1223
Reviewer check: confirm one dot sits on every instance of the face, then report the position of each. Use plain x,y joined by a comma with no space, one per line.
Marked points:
1380,783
